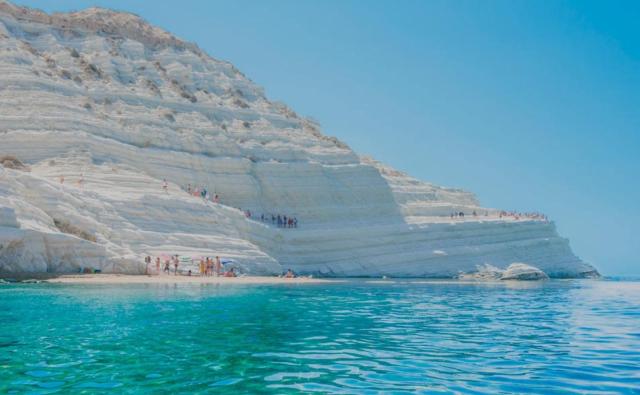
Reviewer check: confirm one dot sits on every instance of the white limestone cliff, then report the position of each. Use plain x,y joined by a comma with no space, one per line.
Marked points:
106,99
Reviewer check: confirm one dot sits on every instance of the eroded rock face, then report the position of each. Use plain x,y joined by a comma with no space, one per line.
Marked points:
524,272
114,106
484,272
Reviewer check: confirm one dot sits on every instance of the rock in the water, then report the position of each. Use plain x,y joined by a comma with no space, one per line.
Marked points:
484,272
522,271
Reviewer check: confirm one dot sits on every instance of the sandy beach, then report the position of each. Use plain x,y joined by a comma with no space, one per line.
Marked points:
170,279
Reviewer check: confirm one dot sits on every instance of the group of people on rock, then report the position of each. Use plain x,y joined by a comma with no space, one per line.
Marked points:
203,193
207,266
279,220
282,221
461,214
504,214
518,215
79,182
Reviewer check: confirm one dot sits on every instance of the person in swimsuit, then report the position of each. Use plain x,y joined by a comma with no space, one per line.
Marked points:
166,266
209,267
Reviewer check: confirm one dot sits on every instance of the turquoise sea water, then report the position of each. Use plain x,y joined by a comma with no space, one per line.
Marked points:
354,337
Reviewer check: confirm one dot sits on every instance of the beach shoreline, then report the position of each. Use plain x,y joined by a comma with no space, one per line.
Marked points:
180,279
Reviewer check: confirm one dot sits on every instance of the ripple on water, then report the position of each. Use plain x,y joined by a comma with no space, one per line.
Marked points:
351,338
226,382
96,385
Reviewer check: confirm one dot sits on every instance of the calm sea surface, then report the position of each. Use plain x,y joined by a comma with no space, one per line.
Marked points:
352,338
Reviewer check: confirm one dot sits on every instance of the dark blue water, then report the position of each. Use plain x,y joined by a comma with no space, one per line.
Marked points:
351,338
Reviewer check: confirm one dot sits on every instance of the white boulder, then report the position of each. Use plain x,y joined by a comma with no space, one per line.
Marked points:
524,272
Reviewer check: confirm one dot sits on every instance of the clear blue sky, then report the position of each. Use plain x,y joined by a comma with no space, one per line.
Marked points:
532,105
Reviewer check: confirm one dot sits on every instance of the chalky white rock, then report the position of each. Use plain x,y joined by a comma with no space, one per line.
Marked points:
113,106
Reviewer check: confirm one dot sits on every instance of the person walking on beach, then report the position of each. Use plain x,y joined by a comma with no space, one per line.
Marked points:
218,266
166,266
158,265
175,265
165,185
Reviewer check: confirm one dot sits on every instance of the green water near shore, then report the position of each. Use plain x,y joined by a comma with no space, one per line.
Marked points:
354,337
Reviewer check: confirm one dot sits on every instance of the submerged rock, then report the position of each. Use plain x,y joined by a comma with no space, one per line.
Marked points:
524,272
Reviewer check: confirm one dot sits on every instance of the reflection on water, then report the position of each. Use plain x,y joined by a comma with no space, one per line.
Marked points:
356,337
